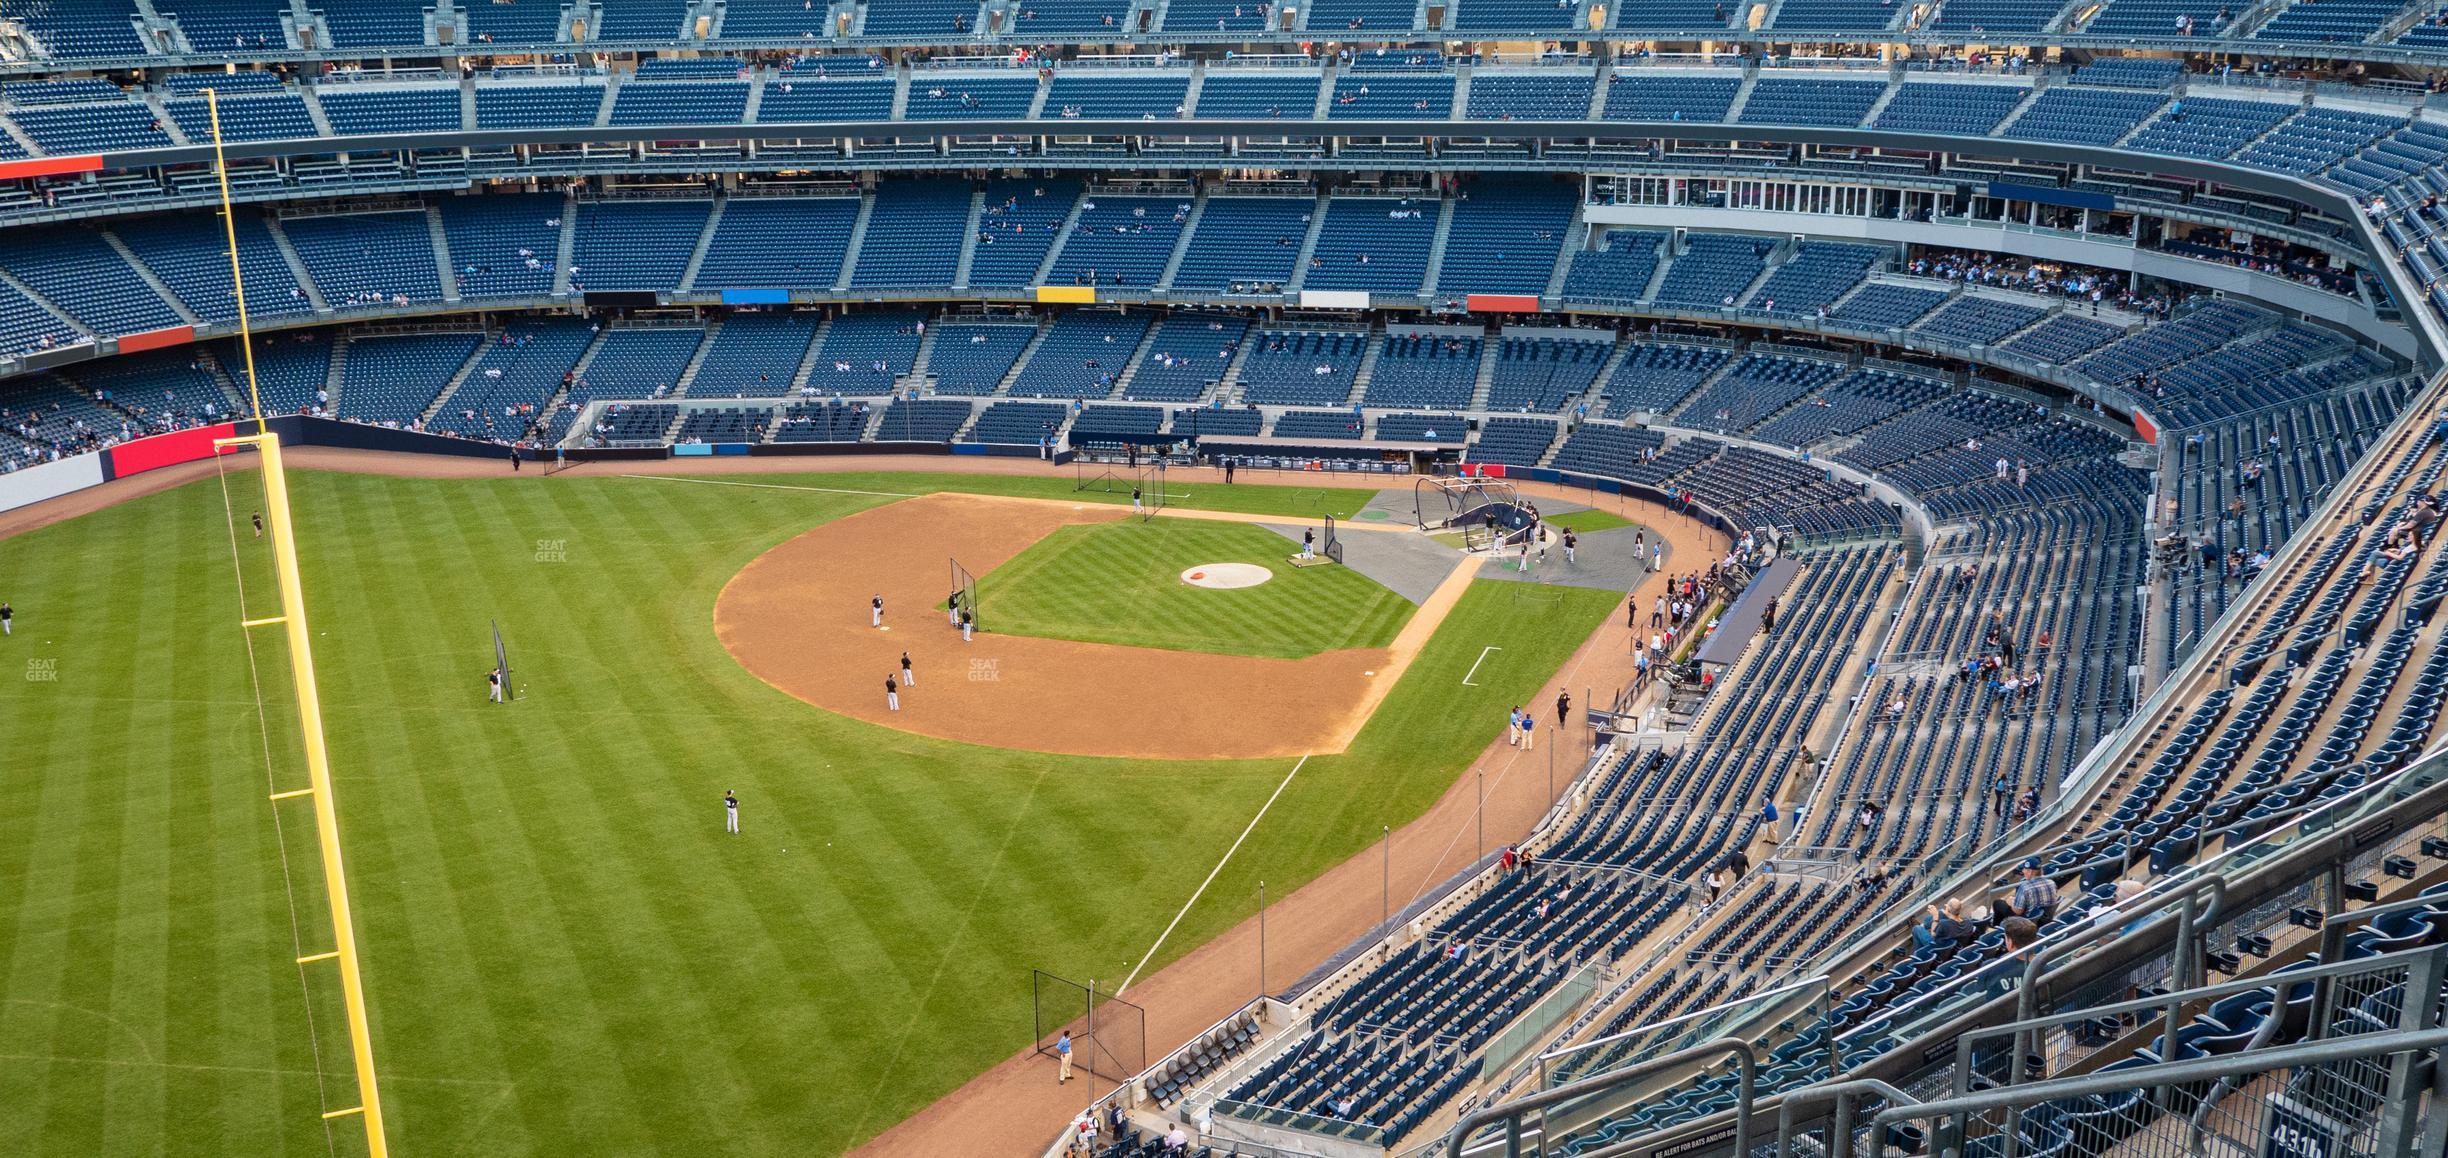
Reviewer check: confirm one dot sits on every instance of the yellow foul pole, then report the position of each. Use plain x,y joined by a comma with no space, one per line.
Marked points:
309,700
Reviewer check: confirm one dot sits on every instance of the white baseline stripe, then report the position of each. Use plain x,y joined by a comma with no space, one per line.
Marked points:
1211,876
716,482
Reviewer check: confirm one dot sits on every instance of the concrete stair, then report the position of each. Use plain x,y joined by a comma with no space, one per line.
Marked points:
1003,387
858,241
150,279
1045,269
458,378
567,247
1308,249
442,255
807,361
696,361
1436,248
1181,244
297,266
968,253
705,241
1576,236
1487,373
1368,369
1130,369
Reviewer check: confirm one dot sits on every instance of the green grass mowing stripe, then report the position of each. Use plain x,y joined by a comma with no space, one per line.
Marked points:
1120,583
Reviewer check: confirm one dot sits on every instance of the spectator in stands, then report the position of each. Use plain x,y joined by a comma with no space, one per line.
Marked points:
2035,896
1175,1140
1942,926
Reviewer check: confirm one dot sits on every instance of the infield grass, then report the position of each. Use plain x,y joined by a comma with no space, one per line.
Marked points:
1121,583
564,952
1588,521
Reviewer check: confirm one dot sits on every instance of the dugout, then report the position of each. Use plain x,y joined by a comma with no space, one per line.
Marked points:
1129,447
1389,456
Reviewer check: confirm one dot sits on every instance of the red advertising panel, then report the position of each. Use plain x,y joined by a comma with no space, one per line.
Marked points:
157,339
162,450
1501,303
48,167
2148,429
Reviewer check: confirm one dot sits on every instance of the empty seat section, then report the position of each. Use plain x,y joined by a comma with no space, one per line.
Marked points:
1131,96
754,355
2083,116
1244,244
365,110
1188,354
371,23
1544,374
1022,423
1969,110
1362,15
634,245
961,98
1016,226
190,254
1240,96
1425,371
1375,244
1321,425
919,17
1668,99
1886,306
215,24
1124,242
1535,96
1513,441
1081,356
640,19
1505,237
244,118
503,243
973,358
778,243
680,103
391,378
1618,272
114,127
367,260
1834,15
1301,367
914,234
1980,320
1713,270
865,353
792,98
1817,274
1393,96
1654,378
537,106
515,22
1777,100
2209,126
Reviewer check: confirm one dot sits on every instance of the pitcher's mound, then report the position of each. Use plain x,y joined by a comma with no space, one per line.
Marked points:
1226,575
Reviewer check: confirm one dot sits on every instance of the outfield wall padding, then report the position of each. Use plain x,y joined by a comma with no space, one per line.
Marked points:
162,450
49,481
299,430
838,449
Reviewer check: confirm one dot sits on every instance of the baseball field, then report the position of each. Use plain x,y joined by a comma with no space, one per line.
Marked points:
564,951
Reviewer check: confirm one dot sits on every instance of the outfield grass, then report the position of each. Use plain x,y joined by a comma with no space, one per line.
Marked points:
564,953
1121,583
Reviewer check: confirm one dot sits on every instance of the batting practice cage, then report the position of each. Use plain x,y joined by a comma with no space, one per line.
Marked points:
1487,511
965,591
1330,544
1108,1034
